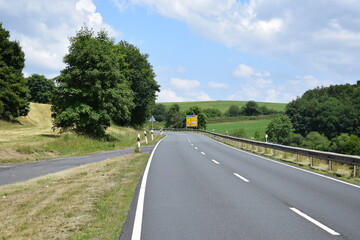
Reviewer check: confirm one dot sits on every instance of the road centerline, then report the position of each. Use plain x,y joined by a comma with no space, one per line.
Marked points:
214,161
203,153
317,223
241,177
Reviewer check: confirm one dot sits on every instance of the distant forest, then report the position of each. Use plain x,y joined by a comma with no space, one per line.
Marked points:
325,118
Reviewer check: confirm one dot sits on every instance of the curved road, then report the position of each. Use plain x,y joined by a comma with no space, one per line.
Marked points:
13,173
198,188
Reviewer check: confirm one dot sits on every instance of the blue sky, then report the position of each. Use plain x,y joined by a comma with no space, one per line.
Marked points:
271,50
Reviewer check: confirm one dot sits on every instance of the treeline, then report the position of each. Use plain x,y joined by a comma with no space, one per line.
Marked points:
326,118
251,108
103,82
175,118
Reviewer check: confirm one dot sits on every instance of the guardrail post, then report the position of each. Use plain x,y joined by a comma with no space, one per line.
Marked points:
311,159
296,157
274,153
284,155
354,173
330,166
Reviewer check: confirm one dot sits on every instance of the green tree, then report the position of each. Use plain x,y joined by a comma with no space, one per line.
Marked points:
202,122
92,89
346,144
174,118
316,141
41,89
233,111
13,92
139,73
279,129
251,108
212,112
160,112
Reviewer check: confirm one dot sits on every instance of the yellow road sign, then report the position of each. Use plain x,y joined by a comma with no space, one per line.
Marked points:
191,120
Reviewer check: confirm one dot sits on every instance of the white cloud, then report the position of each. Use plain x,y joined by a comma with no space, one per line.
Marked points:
217,85
184,84
167,95
43,28
317,35
181,69
243,71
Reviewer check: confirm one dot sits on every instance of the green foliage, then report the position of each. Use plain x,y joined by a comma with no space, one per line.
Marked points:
159,112
233,111
92,89
330,111
279,129
316,141
202,123
345,143
174,118
41,89
139,73
212,112
251,108
240,133
13,92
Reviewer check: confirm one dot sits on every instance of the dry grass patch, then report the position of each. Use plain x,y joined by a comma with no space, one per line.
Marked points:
87,202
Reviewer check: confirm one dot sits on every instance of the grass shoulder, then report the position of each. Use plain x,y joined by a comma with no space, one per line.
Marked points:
87,202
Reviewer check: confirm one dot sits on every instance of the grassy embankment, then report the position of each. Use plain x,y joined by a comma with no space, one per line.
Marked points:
32,139
87,202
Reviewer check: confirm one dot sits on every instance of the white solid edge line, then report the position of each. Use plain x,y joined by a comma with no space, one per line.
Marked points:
203,153
241,177
136,233
290,166
196,148
216,162
317,223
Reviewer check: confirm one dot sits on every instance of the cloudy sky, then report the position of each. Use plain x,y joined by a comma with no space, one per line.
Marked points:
262,50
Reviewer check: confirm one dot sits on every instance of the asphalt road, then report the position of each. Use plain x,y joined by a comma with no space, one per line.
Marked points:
13,173
198,188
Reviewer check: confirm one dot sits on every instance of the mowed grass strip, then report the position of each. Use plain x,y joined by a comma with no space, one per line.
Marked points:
87,202
250,127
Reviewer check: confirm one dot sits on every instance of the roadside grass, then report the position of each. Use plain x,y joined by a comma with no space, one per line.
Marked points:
87,202
30,138
250,127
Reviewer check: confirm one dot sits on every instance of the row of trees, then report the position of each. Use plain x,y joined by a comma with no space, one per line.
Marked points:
326,119
251,108
175,118
103,82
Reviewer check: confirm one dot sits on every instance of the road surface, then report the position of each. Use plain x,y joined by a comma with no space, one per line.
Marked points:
198,188
13,173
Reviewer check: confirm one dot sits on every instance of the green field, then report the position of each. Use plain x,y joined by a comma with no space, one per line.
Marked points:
224,105
250,127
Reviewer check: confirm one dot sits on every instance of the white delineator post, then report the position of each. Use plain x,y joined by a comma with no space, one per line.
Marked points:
152,135
138,140
146,140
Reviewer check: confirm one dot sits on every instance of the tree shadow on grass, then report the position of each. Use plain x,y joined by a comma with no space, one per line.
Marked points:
50,135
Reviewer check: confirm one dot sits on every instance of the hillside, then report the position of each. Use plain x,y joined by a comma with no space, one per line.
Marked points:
224,105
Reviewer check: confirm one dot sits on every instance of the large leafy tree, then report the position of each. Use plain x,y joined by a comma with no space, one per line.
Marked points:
41,89
280,129
13,92
174,117
251,108
159,112
140,75
92,89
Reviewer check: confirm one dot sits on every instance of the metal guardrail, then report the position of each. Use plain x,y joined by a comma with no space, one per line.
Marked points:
329,156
